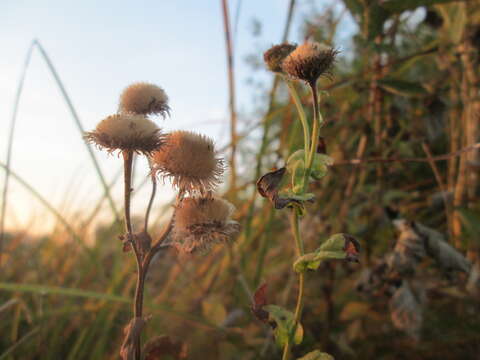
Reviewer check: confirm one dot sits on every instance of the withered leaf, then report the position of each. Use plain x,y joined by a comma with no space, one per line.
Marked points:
259,301
351,248
268,184
406,310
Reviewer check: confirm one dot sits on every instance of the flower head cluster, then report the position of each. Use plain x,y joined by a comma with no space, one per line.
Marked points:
189,160
309,61
144,98
274,56
130,129
126,132
203,222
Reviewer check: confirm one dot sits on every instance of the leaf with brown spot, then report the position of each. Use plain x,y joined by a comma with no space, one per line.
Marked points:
339,246
269,186
351,248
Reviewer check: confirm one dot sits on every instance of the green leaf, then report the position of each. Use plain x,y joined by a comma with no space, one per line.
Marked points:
297,155
398,6
455,19
320,165
338,246
377,15
317,355
402,87
285,328
298,176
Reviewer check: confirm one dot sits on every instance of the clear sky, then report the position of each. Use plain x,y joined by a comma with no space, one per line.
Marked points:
98,48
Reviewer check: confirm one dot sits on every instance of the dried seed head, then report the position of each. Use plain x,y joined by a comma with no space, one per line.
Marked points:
309,61
202,222
144,98
189,160
274,56
126,132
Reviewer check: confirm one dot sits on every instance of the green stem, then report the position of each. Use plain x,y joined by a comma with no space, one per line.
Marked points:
301,114
317,123
294,220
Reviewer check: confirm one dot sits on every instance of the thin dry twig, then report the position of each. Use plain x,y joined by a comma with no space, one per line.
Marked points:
405,160
441,185
231,90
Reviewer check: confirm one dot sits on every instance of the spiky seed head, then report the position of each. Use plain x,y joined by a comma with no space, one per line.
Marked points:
126,132
189,160
275,56
309,61
144,98
202,222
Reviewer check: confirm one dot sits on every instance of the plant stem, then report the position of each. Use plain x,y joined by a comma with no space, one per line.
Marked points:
301,114
231,92
317,122
294,223
137,304
152,197
127,168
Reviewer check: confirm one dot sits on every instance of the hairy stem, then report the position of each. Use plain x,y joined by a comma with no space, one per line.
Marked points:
137,307
317,123
294,223
301,114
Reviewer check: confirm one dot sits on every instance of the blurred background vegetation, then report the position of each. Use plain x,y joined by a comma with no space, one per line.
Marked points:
407,92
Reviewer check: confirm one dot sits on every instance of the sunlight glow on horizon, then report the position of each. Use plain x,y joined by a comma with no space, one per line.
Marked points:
98,49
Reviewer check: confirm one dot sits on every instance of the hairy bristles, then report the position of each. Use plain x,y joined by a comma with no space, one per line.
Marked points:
203,222
126,132
309,61
144,98
275,56
189,160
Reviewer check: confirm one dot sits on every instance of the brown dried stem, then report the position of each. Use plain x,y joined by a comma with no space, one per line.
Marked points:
441,185
231,90
152,197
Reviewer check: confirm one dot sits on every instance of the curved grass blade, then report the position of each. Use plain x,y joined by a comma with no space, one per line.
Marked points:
13,122
79,126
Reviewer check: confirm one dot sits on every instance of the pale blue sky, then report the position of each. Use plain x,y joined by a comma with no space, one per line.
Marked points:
98,48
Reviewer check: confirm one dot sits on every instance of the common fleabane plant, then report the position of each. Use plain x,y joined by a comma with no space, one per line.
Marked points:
200,219
288,188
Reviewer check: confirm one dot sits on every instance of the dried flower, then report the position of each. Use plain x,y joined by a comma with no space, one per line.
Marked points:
309,61
274,56
203,222
189,160
126,132
144,98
